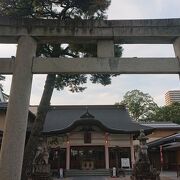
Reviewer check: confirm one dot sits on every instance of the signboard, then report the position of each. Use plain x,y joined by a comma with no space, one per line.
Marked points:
55,141
125,162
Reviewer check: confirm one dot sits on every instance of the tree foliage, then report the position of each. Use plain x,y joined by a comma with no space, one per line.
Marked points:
142,107
167,113
139,104
59,9
64,10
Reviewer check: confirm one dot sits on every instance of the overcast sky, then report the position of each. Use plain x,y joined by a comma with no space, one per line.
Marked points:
155,85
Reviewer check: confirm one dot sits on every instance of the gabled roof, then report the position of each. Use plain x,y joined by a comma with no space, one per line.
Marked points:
111,118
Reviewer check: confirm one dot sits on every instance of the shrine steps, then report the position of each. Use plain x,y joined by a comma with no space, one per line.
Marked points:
96,172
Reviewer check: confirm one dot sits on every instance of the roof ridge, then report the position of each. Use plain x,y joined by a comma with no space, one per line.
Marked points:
85,106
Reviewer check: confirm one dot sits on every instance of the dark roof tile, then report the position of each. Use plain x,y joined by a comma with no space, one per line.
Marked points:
114,118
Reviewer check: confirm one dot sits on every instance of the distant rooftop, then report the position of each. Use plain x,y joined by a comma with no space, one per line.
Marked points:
4,105
168,142
161,125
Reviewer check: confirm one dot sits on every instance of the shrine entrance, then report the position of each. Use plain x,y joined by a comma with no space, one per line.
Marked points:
87,157
57,158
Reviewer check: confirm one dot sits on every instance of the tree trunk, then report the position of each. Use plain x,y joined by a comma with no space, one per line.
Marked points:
31,147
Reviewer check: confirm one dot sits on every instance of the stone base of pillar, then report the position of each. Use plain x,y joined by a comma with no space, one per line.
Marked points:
41,172
41,177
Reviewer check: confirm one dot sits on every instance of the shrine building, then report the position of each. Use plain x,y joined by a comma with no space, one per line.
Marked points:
91,137
96,137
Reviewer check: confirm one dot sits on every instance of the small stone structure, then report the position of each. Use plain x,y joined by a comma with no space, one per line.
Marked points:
41,168
143,169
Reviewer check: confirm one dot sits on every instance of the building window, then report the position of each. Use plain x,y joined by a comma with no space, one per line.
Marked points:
87,137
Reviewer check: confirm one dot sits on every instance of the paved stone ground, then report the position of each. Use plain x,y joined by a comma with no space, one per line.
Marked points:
164,176
109,178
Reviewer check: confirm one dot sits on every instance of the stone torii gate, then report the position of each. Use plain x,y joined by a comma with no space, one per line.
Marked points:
27,33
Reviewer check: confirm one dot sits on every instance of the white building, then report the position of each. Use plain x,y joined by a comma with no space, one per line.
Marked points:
172,96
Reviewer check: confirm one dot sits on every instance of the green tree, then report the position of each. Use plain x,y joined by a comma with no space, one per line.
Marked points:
167,113
139,104
62,10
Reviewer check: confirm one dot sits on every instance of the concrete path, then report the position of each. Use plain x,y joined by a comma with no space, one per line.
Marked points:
91,178
167,175
109,178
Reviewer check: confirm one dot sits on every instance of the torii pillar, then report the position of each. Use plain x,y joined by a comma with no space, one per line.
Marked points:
105,48
176,45
12,151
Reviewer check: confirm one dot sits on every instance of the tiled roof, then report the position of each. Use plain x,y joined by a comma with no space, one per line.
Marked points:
161,125
113,118
165,140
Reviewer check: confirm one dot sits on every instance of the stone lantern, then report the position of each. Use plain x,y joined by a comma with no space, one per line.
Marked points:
143,169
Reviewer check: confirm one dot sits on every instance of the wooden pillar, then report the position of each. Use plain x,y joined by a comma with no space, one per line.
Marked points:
106,150
107,156
67,153
17,113
132,151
